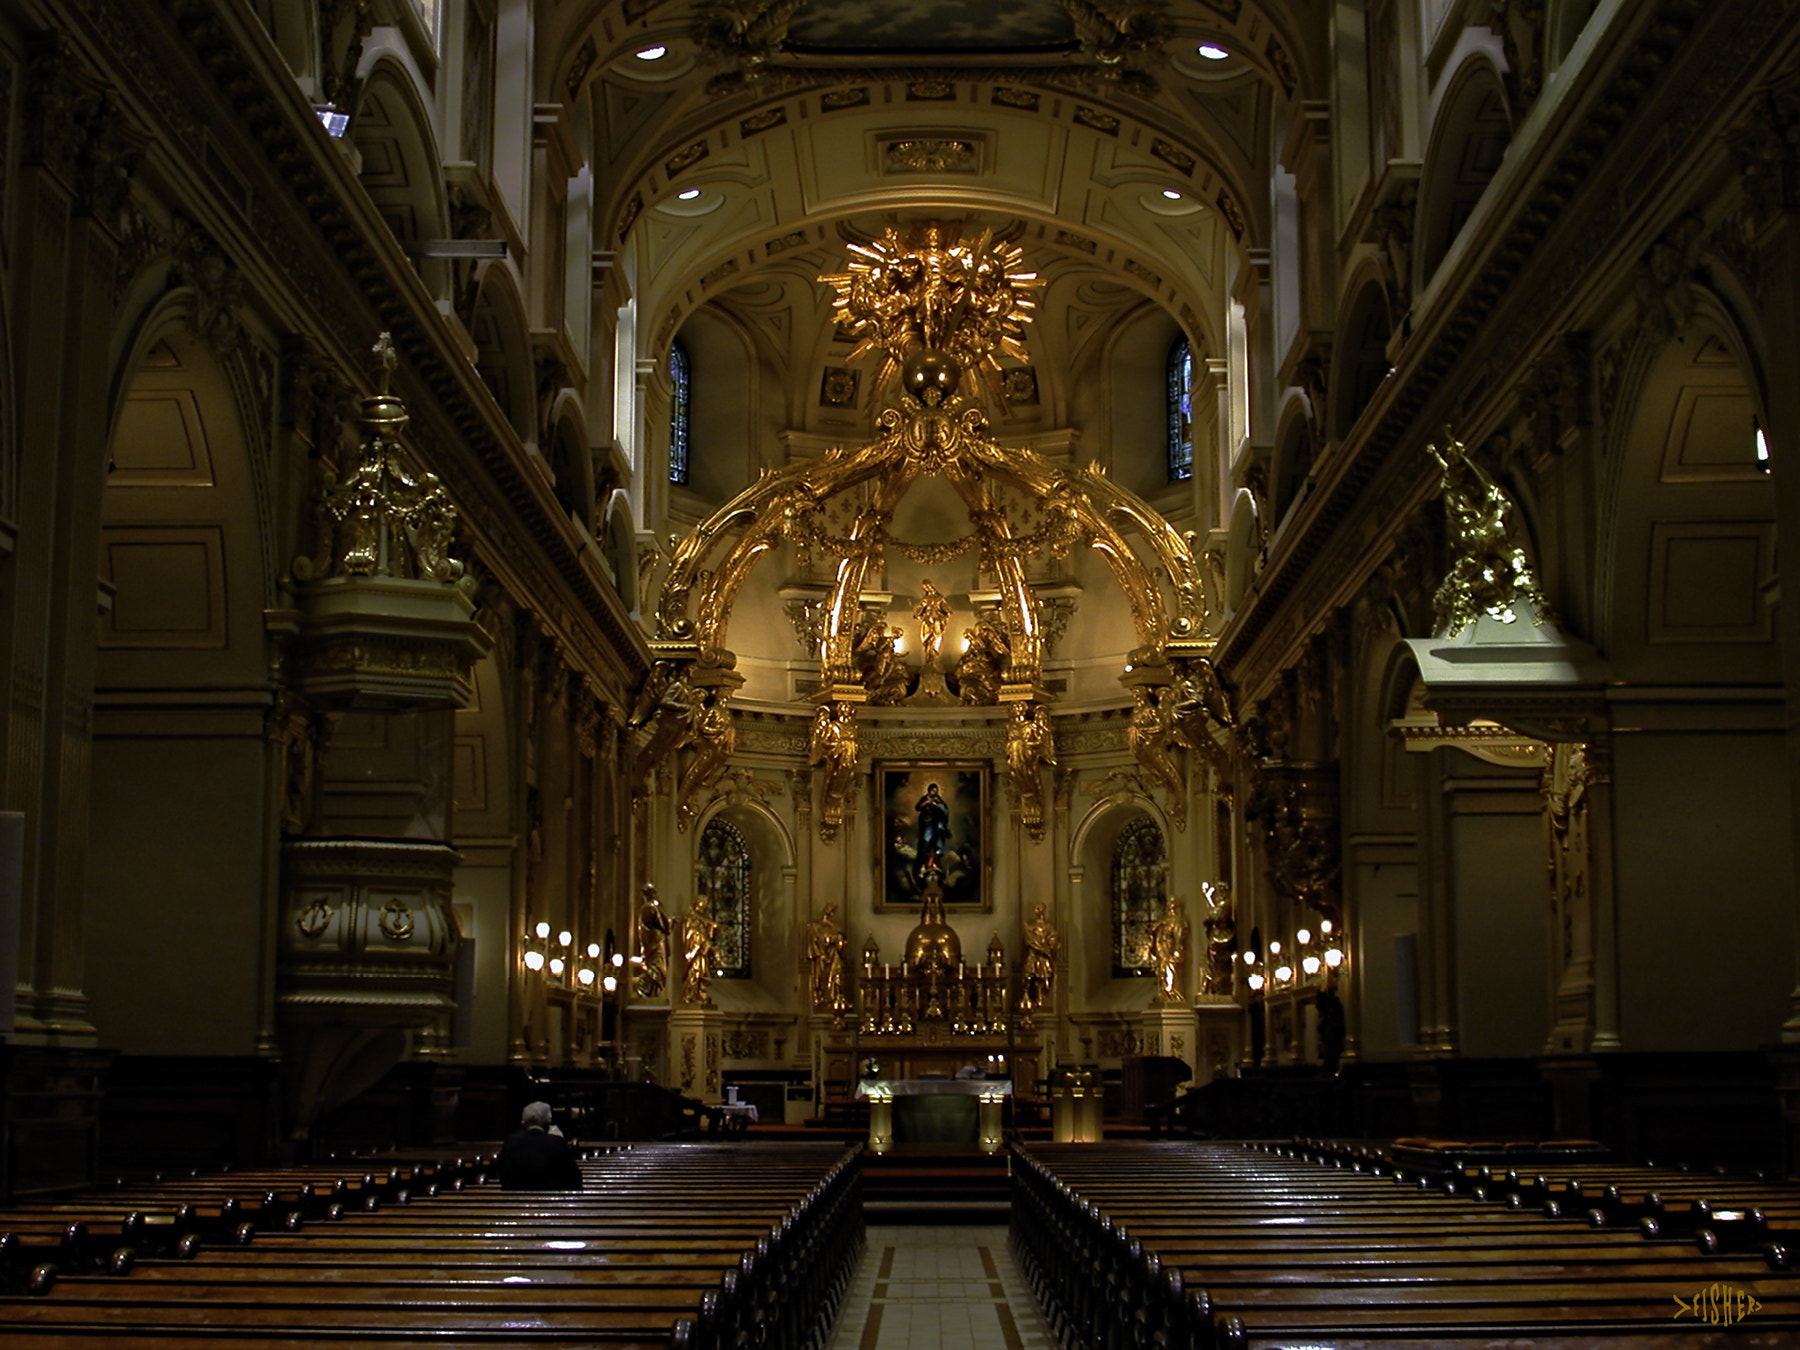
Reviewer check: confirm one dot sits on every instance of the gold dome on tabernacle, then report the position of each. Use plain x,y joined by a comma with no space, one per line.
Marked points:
933,944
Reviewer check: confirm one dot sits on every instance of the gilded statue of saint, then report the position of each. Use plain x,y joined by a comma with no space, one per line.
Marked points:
834,747
1221,941
1041,944
653,946
933,614
700,950
1168,949
825,950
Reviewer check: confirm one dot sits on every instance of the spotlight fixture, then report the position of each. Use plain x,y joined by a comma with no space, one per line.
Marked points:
1212,51
653,53
687,196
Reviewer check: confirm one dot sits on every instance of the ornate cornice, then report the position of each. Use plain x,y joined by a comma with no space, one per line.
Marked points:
1573,221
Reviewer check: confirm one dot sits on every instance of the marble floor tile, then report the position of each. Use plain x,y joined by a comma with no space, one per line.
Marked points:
954,1288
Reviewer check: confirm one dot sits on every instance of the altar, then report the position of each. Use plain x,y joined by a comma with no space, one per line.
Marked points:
934,1111
935,1019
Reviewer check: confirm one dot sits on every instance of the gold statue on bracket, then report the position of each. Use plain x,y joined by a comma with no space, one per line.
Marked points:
1489,574
942,310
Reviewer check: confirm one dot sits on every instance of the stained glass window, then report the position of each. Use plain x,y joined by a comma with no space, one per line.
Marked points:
678,414
725,881
1140,879
1181,411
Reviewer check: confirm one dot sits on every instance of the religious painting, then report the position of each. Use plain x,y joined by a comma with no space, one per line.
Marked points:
933,822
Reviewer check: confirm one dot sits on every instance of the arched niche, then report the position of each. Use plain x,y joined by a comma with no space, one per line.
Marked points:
1243,548
1092,982
726,398
1687,550
502,334
618,544
775,923
180,751
570,464
1467,144
1361,358
1137,378
400,168
1293,457
1685,602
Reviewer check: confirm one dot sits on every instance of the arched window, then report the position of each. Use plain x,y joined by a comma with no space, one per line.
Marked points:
1181,411
678,414
1140,878
725,881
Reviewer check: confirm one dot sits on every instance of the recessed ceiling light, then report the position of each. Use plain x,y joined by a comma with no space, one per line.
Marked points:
687,196
653,53
1212,51
1172,194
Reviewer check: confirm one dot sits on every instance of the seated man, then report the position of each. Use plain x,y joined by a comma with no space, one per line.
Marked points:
535,1159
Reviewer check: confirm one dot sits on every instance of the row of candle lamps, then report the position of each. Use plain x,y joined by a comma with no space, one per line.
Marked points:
973,1003
566,966
1326,956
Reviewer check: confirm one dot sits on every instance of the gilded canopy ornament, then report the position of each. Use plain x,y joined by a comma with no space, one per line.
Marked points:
388,614
938,308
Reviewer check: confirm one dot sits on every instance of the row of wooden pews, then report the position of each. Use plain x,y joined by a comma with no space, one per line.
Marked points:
690,1246
1211,1246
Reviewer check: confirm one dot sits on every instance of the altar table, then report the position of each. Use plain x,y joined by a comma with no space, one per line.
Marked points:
934,1110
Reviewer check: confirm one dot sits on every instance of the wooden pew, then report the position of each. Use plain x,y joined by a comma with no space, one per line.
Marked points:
1219,1246
672,1246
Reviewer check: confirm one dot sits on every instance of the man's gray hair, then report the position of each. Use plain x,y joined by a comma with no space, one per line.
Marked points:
538,1114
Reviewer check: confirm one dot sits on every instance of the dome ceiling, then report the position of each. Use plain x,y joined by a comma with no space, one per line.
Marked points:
761,129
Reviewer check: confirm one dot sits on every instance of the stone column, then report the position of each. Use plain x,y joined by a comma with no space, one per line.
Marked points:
76,168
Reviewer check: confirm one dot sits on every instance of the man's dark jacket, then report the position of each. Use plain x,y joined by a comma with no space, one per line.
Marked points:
531,1160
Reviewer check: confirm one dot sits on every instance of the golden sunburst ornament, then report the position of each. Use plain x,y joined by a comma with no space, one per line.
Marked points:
936,305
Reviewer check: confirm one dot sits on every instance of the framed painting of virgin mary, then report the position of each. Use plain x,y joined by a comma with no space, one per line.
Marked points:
933,820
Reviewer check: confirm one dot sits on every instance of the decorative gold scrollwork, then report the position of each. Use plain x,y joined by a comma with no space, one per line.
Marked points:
939,308
396,921
314,919
380,515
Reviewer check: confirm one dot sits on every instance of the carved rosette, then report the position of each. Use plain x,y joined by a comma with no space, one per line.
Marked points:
367,937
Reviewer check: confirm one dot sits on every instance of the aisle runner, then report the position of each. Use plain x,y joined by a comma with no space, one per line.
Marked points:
939,1289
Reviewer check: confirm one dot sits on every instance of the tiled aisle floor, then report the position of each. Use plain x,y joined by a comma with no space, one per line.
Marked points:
939,1289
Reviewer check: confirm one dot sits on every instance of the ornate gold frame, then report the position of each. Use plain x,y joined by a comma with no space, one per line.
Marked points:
890,899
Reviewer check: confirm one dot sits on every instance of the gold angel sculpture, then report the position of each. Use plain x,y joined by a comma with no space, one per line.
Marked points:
1489,574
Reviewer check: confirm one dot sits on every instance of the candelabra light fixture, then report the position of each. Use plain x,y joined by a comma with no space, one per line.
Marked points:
563,964
1319,956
